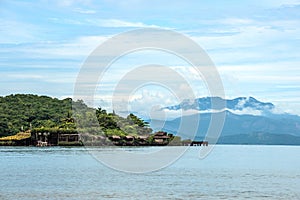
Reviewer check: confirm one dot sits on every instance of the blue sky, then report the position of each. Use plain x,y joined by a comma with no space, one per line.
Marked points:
255,45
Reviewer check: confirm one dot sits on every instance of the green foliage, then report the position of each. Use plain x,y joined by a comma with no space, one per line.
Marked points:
135,120
111,132
150,139
107,121
22,112
54,130
131,125
176,141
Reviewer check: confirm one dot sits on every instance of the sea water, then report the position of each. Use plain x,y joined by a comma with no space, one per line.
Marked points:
228,172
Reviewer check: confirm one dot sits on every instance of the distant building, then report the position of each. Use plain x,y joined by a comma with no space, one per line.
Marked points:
161,138
55,138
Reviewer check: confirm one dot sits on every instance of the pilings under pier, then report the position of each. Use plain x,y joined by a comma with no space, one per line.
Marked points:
199,143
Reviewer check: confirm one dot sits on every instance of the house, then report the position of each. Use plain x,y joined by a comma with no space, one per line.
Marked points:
55,138
142,140
161,138
68,139
115,139
93,140
129,140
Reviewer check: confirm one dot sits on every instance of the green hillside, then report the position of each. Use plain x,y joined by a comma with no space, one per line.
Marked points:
22,112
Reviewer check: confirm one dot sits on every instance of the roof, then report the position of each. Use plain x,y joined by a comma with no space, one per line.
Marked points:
143,137
115,137
129,137
161,137
160,133
18,136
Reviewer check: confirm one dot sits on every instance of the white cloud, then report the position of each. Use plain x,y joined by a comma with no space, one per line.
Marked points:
50,78
77,49
17,32
280,3
84,11
147,102
250,41
247,111
290,105
24,76
68,3
116,23
256,55
172,114
235,21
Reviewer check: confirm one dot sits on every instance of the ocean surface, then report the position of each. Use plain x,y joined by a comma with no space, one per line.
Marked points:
228,172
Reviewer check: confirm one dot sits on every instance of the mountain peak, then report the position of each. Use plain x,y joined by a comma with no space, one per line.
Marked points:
237,104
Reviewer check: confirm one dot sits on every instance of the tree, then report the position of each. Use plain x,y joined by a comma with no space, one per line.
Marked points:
27,111
105,120
135,120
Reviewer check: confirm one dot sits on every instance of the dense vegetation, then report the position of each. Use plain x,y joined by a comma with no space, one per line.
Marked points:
23,112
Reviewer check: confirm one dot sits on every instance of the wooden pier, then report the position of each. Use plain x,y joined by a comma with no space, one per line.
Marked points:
199,143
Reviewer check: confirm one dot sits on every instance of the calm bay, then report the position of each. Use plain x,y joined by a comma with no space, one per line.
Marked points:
229,171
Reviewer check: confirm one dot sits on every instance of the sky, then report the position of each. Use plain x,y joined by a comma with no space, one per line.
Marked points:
255,46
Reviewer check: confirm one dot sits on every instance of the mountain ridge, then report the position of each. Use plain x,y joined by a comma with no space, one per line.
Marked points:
218,103
282,128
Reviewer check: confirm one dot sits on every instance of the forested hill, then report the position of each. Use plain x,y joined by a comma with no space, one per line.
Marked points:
20,112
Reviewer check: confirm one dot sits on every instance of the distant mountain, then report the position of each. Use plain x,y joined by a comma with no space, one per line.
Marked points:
268,128
237,124
260,138
205,104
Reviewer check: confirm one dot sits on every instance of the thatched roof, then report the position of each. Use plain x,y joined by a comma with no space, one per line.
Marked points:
143,137
160,133
115,137
18,136
161,137
129,137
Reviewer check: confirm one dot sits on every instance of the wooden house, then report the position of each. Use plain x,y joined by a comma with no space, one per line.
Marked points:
161,138
55,138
